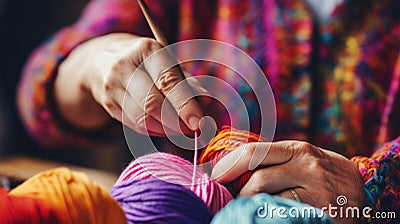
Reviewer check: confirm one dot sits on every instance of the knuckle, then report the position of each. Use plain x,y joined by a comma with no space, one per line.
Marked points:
149,44
152,104
302,146
166,81
118,64
108,87
249,151
144,122
110,106
290,149
108,102
120,72
292,145
110,82
141,121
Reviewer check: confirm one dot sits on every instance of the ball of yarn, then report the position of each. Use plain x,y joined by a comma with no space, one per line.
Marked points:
73,196
264,208
24,210
157,201
227,140
174,169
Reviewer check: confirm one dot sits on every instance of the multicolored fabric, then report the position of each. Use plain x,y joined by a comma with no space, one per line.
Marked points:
359,70
336,84
381,173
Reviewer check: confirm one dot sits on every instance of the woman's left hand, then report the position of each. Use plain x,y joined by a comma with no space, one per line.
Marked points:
318,176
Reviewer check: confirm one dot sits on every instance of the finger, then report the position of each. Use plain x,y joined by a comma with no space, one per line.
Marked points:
143,131
288,194
115,103
166,77
118,114
301,193
270,180
238,161
115,111
111,102
137,119
143,92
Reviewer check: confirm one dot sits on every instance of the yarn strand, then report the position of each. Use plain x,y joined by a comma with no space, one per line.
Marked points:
195,159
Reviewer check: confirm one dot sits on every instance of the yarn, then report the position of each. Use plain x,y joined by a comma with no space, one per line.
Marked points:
22,210
227,140
196,149
382,193
264,208
157,201
174,169
73,196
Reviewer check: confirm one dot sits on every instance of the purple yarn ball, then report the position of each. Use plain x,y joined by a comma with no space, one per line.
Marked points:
174,169
157,201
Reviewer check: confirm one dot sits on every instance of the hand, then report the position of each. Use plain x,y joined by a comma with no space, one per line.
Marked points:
97,76
318,176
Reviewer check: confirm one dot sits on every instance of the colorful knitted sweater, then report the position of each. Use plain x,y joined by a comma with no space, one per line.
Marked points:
336,84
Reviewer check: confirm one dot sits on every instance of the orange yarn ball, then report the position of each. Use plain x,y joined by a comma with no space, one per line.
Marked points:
227,140
25,210
73,196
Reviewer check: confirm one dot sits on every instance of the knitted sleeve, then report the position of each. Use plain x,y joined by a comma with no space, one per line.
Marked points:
381,173
35,91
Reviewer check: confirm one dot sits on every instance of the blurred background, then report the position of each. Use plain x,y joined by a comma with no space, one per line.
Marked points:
24,25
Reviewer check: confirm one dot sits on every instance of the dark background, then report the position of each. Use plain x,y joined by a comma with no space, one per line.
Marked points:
24,25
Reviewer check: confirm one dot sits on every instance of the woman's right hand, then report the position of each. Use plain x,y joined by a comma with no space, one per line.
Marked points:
94,79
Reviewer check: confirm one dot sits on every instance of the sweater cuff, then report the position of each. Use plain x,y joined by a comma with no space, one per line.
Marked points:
381,173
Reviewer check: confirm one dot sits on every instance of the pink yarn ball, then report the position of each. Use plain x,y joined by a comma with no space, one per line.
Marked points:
174,169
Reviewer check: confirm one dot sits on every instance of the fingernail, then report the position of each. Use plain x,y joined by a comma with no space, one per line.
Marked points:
194,123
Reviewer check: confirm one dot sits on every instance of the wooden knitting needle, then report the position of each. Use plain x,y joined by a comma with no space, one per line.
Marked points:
158,34
160,37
